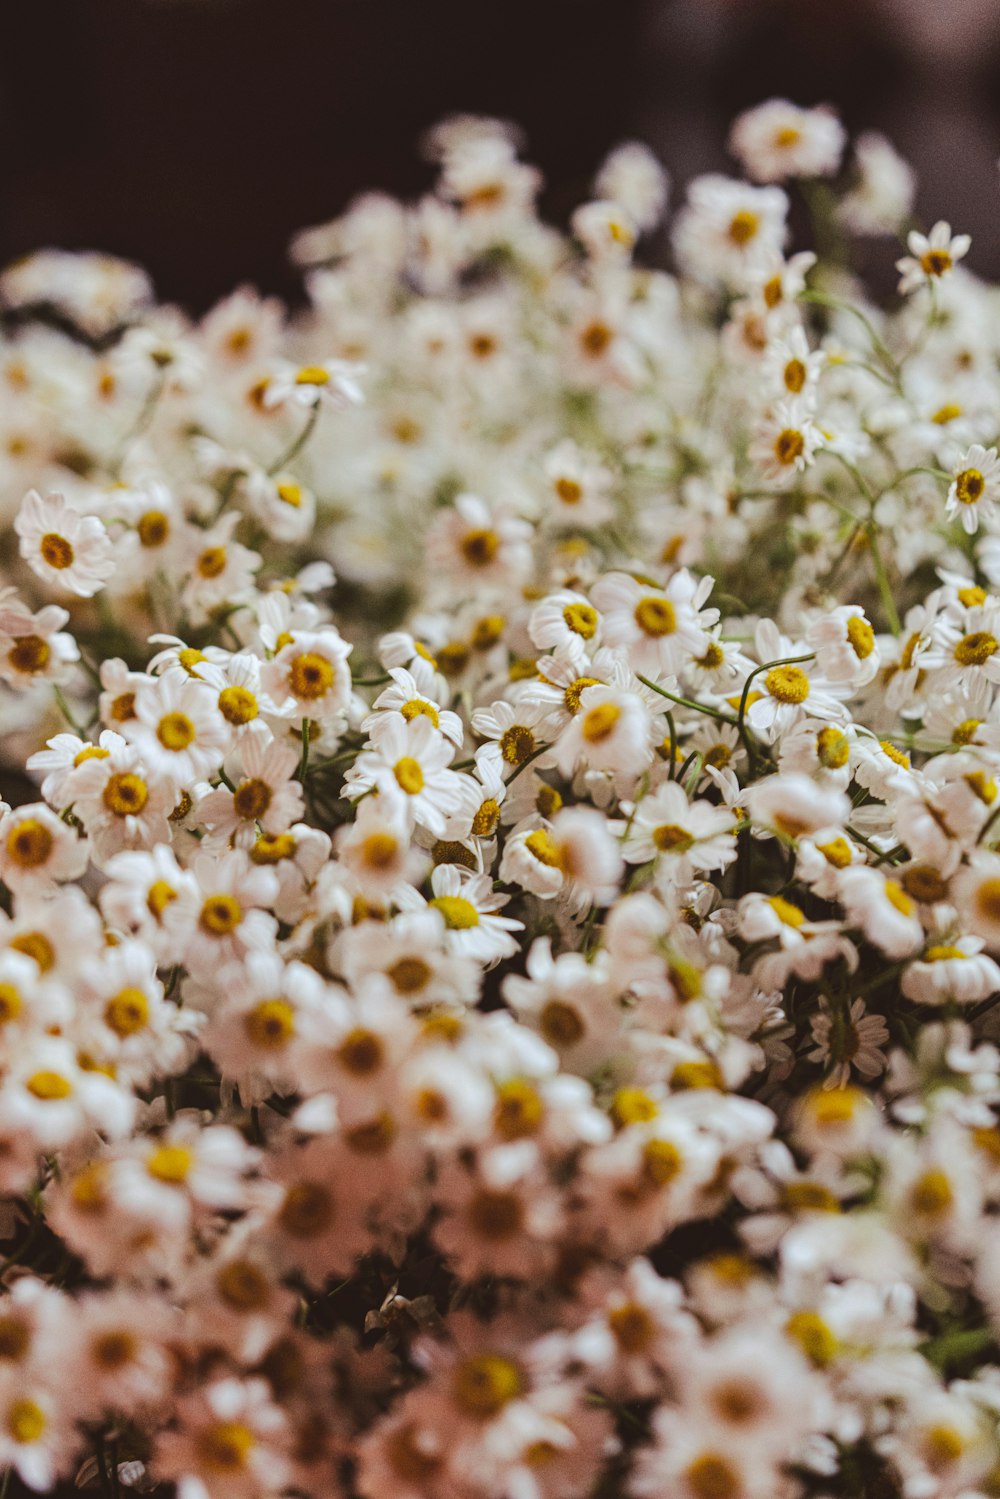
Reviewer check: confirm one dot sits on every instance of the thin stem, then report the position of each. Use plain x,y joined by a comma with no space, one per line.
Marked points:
686,702
882,578
299,443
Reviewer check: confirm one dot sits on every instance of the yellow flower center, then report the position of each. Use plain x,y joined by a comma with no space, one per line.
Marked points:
409,975
661,1162
310,675
243,1286
965,732
743,227
832,748
484,1384
226,1447
170,1164
632,1327
272,848
988,899
969,486
289,493
49,1087
29,654
29,843
543,848
861,636
251,799
312,374
837,852
786,912
361,1052
941,952
11,1003
633,1106
789,445
485,822
814,1337
655,616
931,1193
712,1477
568,490
211,562
560,1024
572,694
519,1109
175,732
516,744
671,839
936,262
125,794
270,1024
26,1422
788,684
975,649
128,1012
419,707
795,375
479,547
599,722
90,752
459,914
307,1211
153,528
581,619
56,550
237,705
409,776
220,915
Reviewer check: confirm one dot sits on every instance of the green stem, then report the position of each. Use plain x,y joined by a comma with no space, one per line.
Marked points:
686,702
296,447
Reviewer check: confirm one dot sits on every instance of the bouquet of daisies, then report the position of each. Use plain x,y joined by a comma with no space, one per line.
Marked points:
500,891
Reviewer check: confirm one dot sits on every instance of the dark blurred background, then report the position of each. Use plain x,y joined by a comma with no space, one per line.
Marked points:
197,135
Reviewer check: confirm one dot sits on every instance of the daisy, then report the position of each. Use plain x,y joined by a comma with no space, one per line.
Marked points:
657,628
778,140
843,1042
468,907
119,804
785,442
34,647
265,796
309,676
684,837
951,972
845,646
177,728
233,919
974,487
62,547
406,697
473,546
566,621
932,256
410,760
333,382
229,1442
38,849
880,906
577,486
612,732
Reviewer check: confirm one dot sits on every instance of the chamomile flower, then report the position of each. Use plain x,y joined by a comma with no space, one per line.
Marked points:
63,547
932,256
974,487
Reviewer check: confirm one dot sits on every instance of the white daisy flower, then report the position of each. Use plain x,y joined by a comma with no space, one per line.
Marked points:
62,547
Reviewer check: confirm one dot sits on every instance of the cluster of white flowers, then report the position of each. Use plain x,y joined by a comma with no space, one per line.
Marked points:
495,982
